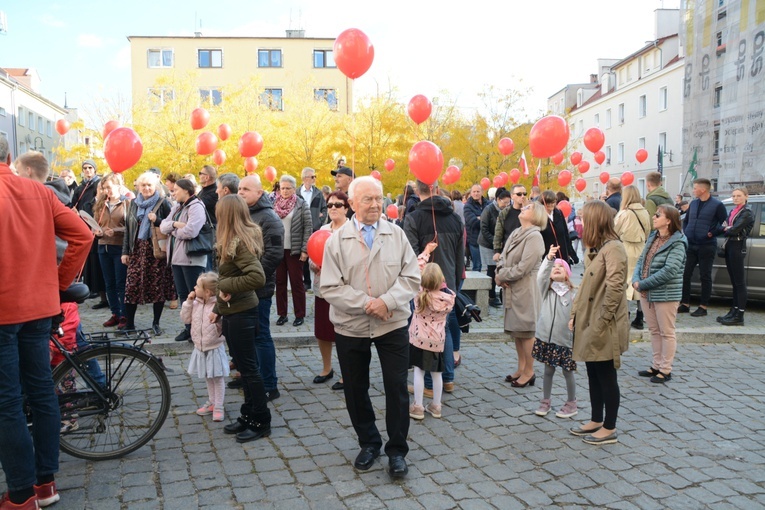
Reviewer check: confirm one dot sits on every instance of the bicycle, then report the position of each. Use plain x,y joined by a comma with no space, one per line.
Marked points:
113,396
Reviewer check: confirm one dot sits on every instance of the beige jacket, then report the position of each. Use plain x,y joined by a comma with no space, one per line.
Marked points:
633,225
352,275
601,322
518,266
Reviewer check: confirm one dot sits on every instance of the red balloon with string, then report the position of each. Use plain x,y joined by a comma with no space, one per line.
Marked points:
548,136
109,127
206,143
224,131
219,157
505,178
580,184
353,52
419,108
122,149
565,207
62,126
426,161
506,146
390,164
376,175
576,158
497,181
270,173
392,211
199,118
584,167
557,159
627,178
485,183
250,144
594,139
564,178
250,164
641,155
315,246
604,176
600,157
515,175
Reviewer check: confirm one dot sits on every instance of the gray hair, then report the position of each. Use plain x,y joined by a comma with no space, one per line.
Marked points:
360,180
229,181
288,178
307,170
4,149
151,177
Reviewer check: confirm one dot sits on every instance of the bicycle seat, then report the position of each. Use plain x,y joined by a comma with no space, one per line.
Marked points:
76,293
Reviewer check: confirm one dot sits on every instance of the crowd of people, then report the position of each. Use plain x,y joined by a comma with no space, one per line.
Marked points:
392,283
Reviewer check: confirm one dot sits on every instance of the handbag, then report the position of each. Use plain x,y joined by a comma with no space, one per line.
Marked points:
467,311
203,243
158,239
721,248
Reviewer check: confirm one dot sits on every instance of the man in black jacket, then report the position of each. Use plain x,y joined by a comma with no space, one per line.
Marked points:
473,209
437,211
83,199
315,200
207,195
486,240
262,213
702,225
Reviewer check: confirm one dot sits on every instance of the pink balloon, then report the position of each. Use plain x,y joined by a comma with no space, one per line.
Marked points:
353,53
419,108
426,161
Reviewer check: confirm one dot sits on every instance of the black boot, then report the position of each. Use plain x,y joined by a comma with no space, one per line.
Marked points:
638,322
736,320
728,315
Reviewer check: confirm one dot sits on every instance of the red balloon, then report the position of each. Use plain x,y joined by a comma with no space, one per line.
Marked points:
390,164
316,246
250,144
206,143
565,207
548,136
564,178
250,164
270,173
219,157
199,118
497,181
353,52
426,161
419,108
392,211
580,184
485,183
594,139
110,126
62,126
515,175
558,158
122,149
224,131
641,155
376,175
506,146
576,158
451,175
627,178
505,178
600,157
584,167
604,176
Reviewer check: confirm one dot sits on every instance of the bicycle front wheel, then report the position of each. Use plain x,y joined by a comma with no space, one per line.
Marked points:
136,403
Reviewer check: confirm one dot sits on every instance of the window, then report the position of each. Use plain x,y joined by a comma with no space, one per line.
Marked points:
597,120
718,95
31,123
20,116
158,98
323,58
40,125
621,113
272,98
608,154
719,38
328,95
22,148
642,106
210,58
160,58
210,95
716,143
49,128
273,58
620,153
663,142
581,127
608,118
641,143
663,99
2,112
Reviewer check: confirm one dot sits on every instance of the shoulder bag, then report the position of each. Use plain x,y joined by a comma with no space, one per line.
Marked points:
203,243
158,239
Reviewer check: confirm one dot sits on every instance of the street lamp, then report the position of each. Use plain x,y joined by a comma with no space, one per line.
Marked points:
38,148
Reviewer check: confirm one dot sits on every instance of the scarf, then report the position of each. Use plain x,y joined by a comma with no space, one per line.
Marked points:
284,206
734,213
144,206
560,288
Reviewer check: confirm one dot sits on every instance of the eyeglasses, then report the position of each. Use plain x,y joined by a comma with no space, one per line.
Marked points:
336,205
520,194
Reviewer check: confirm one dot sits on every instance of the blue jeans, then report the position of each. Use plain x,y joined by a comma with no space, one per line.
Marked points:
115,273
185,278
94,369
475,254
448,375
264,345
25,363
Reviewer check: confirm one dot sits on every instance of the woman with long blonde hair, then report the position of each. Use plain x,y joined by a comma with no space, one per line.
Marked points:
633,225
240,246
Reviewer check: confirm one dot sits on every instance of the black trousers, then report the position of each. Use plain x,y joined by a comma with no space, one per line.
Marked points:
734,261
702,255
604,392
240,330
354,355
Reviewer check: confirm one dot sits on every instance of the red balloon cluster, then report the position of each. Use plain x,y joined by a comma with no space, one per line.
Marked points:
576,158
390,164
641,155
604,176
219,157
250,144
109,127
627,178
392,211
564,178
580,184
122,149
548,136
250,164
206,143
594,139
270,173
557,159
353,53
451,175
419,109
224,131
376,175
62,126
316,244
485,183
199,118
515,175
426,161
600,157
565,207
583,167
506,146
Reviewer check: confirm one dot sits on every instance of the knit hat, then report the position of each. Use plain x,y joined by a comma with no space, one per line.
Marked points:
564,264
91,163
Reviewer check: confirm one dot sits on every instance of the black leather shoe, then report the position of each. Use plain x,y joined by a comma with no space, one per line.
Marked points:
397,466
699,312
366,458
236,427
683,309
298,321
495,303
338,386
282,320
272,395
319,379
98,306
236,384
183,336
253,433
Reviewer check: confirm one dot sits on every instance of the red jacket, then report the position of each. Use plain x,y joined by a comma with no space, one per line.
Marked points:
30,218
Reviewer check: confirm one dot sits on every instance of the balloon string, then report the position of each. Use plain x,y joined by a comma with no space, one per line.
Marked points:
433,214
353,136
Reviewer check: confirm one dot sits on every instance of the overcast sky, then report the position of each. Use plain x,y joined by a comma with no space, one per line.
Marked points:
421,46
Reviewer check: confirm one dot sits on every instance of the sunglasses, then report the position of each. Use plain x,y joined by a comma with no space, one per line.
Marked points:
336,205
520,194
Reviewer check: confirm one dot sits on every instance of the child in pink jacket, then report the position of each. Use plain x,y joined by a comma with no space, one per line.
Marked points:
209,358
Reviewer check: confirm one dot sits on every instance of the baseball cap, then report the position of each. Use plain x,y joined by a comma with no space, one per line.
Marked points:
345,171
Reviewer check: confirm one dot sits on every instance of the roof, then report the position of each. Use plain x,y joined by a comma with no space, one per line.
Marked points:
597,95
17,71
642,50
228,37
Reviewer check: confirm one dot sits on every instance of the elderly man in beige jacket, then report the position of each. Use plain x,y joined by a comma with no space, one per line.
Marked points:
369,275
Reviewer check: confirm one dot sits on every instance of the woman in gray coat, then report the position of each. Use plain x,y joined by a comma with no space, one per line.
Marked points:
517,275
296,217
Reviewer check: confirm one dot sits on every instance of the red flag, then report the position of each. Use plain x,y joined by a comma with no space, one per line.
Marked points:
522,163
536,175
